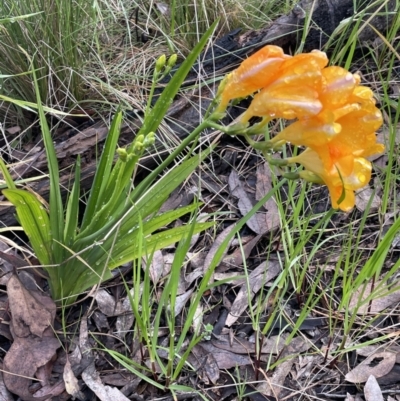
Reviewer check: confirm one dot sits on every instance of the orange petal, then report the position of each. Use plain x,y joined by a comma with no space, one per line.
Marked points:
305,62
287,104
256,72
338,86
308,132
349,198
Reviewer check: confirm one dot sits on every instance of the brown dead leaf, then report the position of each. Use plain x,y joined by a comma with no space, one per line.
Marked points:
51,390
4,319
5,395
270,345
103,392
225,359
71,382
32,313
34,346
181,301
377,365
105,302
377,304
257,278
274,385
260,222
372,391
156,266
240,253
174,201
22,361
205,364
372,349
216,245
263,186
363,197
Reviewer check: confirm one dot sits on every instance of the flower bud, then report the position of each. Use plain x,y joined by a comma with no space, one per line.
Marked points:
172,60
160,63
139,138
137,148
149,140
122,154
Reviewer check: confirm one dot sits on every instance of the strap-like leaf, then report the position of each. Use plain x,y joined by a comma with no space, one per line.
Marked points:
35,222
55,200
102,172
72,211
7,176
154,242
147,204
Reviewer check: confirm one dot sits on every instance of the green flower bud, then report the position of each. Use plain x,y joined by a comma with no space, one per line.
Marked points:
139,138
222,85
172,60
149,140
278,162
160,63
122,154
137,148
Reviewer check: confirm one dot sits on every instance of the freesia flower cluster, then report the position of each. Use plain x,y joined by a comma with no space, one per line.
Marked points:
335,117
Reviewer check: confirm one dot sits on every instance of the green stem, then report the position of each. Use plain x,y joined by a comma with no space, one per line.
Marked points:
151,94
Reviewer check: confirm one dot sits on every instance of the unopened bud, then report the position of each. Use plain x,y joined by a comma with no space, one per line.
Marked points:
160,63
139,138
172,60
223,83
122,154
137,148
149,140
278,162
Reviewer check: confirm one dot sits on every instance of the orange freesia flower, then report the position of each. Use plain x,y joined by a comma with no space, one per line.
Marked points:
336,183
338,140
345,127
336,117
256,72
294,93
285,82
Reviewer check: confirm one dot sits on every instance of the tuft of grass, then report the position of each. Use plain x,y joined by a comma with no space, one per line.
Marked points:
58,37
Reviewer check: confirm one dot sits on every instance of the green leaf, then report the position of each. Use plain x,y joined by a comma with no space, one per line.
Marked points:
55,201
7,176
103,171
153,243
376,262
72,212
35,222
148,203
131,235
